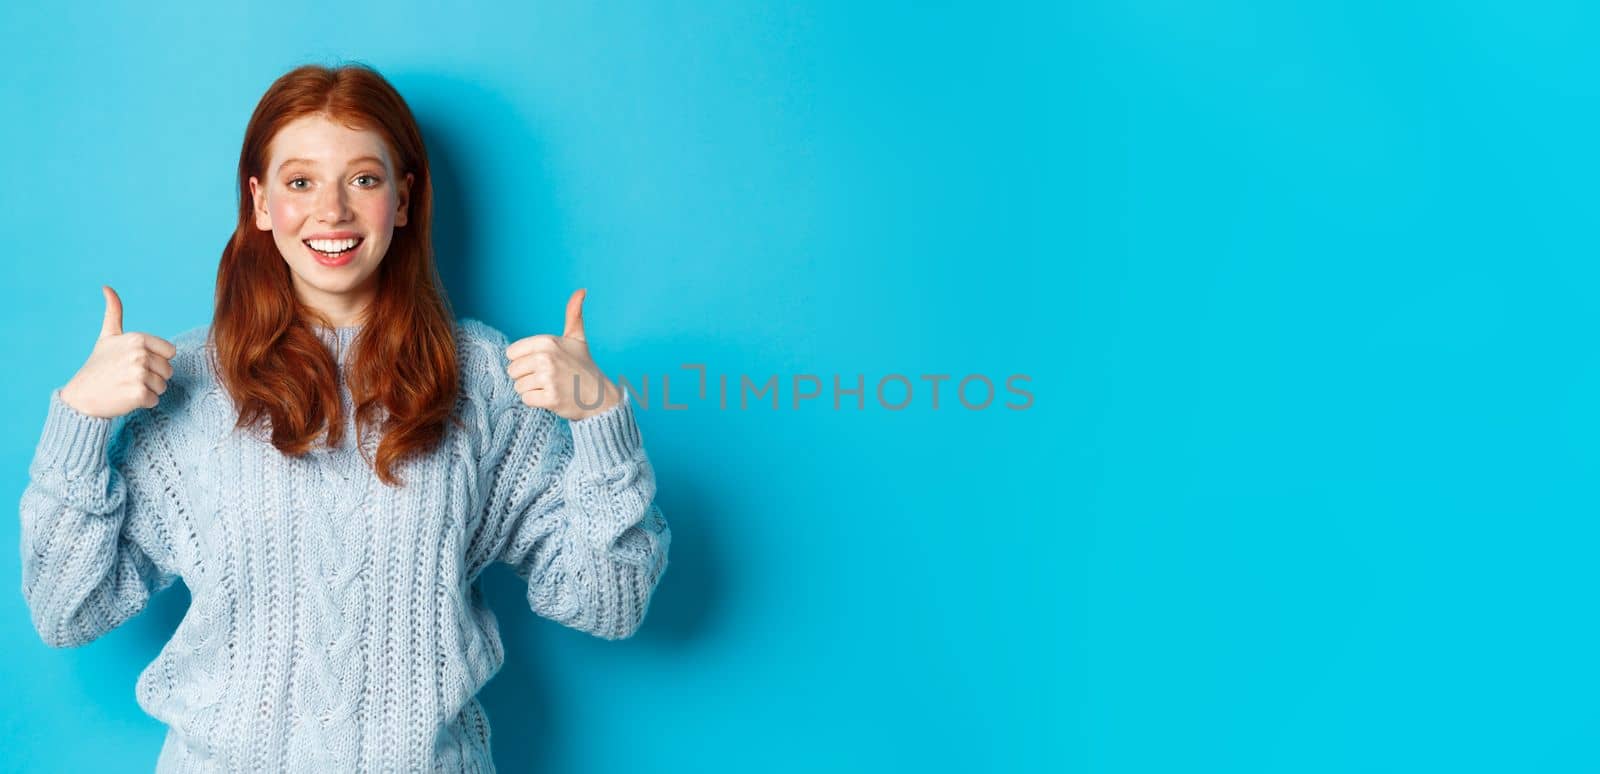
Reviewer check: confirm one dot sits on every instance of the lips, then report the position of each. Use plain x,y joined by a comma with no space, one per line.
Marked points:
333,252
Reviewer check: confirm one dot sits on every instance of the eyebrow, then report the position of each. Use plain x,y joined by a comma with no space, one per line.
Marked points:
353,162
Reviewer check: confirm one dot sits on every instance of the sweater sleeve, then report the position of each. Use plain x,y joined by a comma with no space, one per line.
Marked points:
94,523
574,503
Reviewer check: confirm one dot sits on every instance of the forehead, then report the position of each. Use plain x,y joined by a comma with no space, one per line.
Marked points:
322,141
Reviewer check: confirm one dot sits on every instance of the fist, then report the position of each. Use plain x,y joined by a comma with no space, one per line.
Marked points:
557,373
126,371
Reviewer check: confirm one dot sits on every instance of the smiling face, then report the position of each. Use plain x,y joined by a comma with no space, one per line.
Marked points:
331,199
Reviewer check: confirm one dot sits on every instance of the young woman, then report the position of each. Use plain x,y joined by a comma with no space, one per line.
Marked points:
329,466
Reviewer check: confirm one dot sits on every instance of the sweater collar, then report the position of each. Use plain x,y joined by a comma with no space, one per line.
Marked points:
337,339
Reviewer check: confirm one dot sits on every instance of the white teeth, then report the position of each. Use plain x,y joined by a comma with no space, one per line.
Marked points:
332,245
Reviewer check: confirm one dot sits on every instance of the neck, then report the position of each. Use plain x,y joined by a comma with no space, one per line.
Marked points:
341,310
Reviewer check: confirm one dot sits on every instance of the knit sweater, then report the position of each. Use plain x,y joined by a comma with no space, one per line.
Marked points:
336,623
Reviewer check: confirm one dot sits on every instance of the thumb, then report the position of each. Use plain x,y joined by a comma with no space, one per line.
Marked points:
112,325
574,329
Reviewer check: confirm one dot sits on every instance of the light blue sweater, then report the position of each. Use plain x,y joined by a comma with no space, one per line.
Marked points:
336,623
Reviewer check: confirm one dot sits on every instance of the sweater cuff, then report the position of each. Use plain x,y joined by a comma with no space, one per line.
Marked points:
73,443
608,439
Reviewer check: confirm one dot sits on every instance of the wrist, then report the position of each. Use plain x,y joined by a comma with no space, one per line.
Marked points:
73,441
69,396
612,397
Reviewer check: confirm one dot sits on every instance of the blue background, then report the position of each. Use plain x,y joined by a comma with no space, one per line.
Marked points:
1306,295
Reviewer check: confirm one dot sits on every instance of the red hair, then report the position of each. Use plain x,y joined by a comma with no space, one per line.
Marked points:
402,364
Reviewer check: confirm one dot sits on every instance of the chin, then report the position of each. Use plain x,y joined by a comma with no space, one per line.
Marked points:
316,278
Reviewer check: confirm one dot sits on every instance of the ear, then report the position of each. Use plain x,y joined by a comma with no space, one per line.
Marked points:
263,217
401,217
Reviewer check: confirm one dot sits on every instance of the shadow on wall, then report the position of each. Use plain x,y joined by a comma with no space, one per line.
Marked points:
456,115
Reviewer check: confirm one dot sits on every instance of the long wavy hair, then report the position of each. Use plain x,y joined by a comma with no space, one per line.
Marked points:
401,368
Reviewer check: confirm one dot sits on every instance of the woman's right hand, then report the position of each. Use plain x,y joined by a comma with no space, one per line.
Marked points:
126,371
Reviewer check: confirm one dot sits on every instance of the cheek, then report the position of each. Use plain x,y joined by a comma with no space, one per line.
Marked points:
379,213
286,216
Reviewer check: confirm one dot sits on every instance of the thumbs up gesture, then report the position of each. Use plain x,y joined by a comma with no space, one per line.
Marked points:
126,371
552,372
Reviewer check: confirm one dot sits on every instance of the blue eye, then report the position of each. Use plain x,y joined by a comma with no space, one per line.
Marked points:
297,180
373,178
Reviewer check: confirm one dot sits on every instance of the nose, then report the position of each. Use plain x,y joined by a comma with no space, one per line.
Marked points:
332,204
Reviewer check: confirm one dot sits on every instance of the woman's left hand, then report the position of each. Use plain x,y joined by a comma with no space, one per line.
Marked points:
554,372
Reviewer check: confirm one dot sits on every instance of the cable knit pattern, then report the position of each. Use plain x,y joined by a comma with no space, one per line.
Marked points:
335,623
